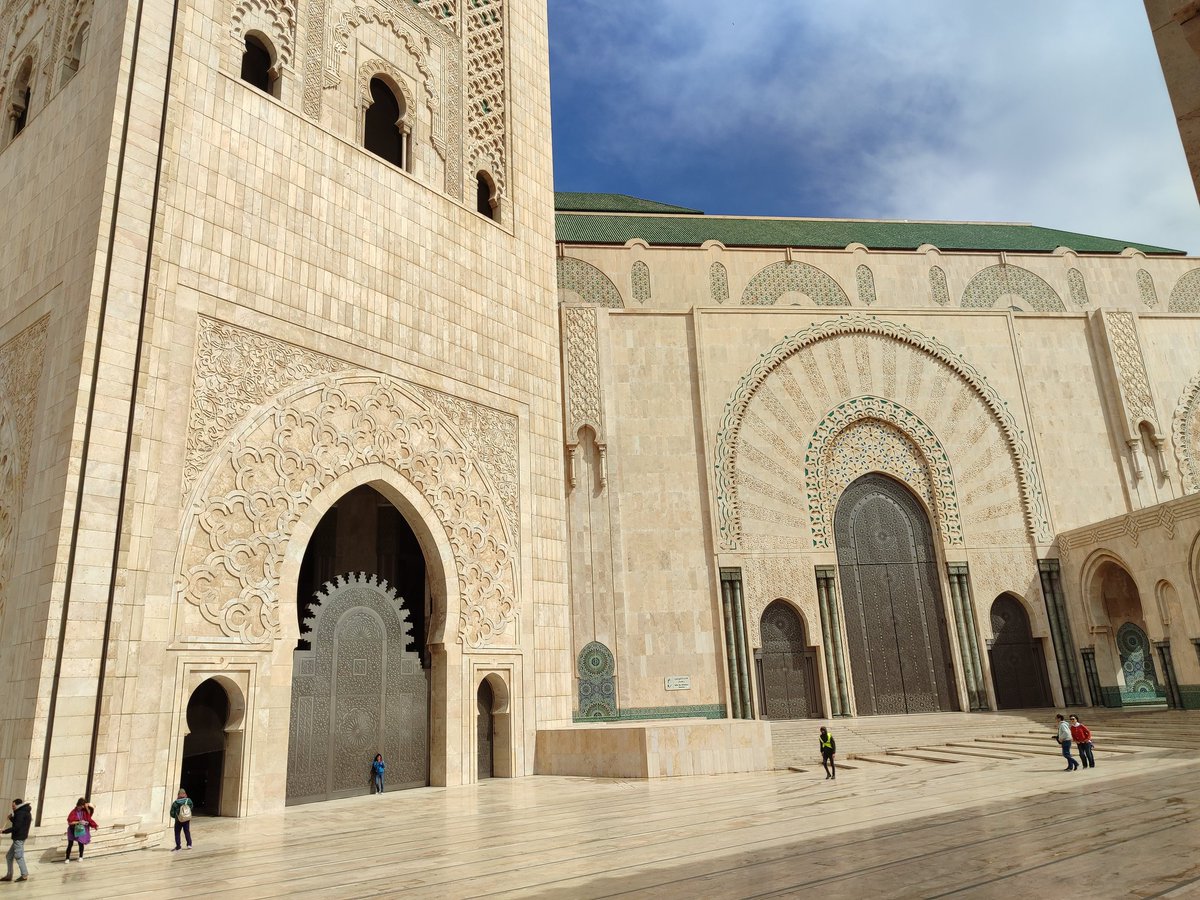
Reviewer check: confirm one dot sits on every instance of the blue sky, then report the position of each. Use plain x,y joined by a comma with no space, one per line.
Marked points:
1046,112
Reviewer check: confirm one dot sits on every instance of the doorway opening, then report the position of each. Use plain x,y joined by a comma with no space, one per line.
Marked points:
203,767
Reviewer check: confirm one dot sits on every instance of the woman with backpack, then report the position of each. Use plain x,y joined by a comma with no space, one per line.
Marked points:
181,812
79,827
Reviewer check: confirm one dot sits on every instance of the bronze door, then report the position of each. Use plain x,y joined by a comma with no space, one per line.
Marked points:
359,690
1018,663
787,671
895,617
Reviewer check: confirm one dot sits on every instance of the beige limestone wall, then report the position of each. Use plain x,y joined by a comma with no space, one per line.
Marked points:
56,187
284,232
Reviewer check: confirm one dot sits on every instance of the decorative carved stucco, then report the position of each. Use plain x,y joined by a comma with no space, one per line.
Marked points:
487,92
274,18
1145,282
1126,351
1185,296
259,485
718,282
1079,294
938,289
762,497
1185,432
24,33
584,406
236,370
591,284
20,374
986,288
766,579
866,285
780,278
872,434
639,281
493,438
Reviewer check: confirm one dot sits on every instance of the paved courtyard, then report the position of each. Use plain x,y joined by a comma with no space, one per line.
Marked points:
992,828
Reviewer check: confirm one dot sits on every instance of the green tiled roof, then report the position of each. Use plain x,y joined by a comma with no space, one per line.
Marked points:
694,230
574,201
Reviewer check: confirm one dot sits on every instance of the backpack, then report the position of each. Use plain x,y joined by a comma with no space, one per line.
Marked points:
184,813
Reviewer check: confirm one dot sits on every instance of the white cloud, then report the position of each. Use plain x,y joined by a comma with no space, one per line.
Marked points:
1029,111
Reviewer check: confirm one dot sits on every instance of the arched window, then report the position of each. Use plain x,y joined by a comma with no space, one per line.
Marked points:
258,66
22,95
383,132
76,54
485,196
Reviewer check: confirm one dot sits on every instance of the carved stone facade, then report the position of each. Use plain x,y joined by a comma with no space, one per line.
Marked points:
988,287
768,286
256,490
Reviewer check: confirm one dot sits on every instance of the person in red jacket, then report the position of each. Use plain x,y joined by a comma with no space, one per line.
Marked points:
1083,742
79,827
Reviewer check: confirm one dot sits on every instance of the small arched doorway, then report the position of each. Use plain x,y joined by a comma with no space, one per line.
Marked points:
203,769
1017,659
360,673
787,666
1132,655
894,612
485,730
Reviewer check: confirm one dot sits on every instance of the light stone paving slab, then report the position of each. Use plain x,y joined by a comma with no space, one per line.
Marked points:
984,828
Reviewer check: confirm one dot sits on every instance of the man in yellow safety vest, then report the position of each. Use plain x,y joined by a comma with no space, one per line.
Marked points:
828,747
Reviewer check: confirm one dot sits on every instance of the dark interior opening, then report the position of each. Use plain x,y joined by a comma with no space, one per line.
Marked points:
483,197
256,65
204,747
382,135
363,532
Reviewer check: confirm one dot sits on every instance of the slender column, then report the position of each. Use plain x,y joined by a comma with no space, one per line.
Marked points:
831,632
739,626
968,641
1168,666
1060,630
731,657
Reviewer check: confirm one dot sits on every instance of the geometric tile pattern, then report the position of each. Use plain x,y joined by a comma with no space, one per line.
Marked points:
988,286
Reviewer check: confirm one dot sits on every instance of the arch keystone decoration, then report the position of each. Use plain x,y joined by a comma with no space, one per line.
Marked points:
256,489
774,404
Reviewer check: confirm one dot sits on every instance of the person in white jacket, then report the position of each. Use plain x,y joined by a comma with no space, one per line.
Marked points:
1064,740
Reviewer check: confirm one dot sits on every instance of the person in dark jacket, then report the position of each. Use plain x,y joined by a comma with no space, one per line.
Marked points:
19,820
181,812
828,748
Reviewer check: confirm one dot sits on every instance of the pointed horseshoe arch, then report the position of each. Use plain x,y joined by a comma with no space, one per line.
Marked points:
738,412
255,493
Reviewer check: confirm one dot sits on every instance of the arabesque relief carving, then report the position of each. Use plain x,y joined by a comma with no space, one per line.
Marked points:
764,480
235,371
20,373
257,488
1185,432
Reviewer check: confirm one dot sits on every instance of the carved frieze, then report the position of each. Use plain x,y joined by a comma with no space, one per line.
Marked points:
257,487
235,371
766,579
1130,368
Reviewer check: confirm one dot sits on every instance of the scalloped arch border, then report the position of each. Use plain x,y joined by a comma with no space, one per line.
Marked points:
729,520
1185,412
821,502
1030,286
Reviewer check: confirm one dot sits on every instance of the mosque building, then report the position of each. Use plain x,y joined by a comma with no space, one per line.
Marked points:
327,428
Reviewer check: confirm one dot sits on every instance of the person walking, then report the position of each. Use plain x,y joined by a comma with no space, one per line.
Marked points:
1083,742
377,774
181,812
19,820
1064,741
828,748
79,827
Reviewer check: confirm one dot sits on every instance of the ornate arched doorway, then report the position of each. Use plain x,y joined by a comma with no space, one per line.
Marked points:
787,666
203,768
1117,602
895,616
360,675
1018,662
